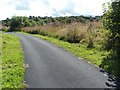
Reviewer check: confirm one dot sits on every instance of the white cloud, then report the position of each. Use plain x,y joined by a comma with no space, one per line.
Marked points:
39,8
9,8
5,10
91,7
58,5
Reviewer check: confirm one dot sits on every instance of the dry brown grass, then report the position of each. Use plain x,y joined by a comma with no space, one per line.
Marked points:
90,32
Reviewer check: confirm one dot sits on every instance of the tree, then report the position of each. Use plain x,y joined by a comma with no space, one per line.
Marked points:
111,21
16,24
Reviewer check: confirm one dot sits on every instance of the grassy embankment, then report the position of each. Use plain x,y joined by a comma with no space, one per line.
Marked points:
93,56
12,62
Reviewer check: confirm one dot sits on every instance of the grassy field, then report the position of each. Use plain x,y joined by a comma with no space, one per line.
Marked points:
12,62
94,56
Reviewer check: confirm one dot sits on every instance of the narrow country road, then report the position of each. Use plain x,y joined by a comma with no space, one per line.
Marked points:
53,67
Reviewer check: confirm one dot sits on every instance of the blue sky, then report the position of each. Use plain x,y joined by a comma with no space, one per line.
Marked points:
9,8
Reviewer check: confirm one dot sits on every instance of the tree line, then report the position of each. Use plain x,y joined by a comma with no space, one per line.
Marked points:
17,22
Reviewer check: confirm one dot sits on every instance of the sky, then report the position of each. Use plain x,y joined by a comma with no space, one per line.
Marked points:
9,8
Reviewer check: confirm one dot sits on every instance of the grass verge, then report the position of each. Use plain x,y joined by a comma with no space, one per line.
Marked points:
94,56
12,62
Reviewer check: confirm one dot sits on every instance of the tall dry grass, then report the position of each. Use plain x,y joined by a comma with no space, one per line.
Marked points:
90,33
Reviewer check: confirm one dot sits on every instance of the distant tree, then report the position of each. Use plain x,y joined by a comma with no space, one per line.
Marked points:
27,23
6,22
33,23
16,24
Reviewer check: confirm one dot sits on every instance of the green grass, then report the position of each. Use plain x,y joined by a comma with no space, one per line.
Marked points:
93,56
12,62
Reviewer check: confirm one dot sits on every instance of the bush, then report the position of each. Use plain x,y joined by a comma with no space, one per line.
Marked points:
16,24
90,43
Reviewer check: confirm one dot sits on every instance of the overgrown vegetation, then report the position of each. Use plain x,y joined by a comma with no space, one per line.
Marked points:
111,22
90,34
12,62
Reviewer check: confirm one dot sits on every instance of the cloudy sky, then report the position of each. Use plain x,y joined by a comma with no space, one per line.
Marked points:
9,8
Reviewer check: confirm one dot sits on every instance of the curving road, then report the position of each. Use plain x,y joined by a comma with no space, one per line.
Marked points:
52,67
